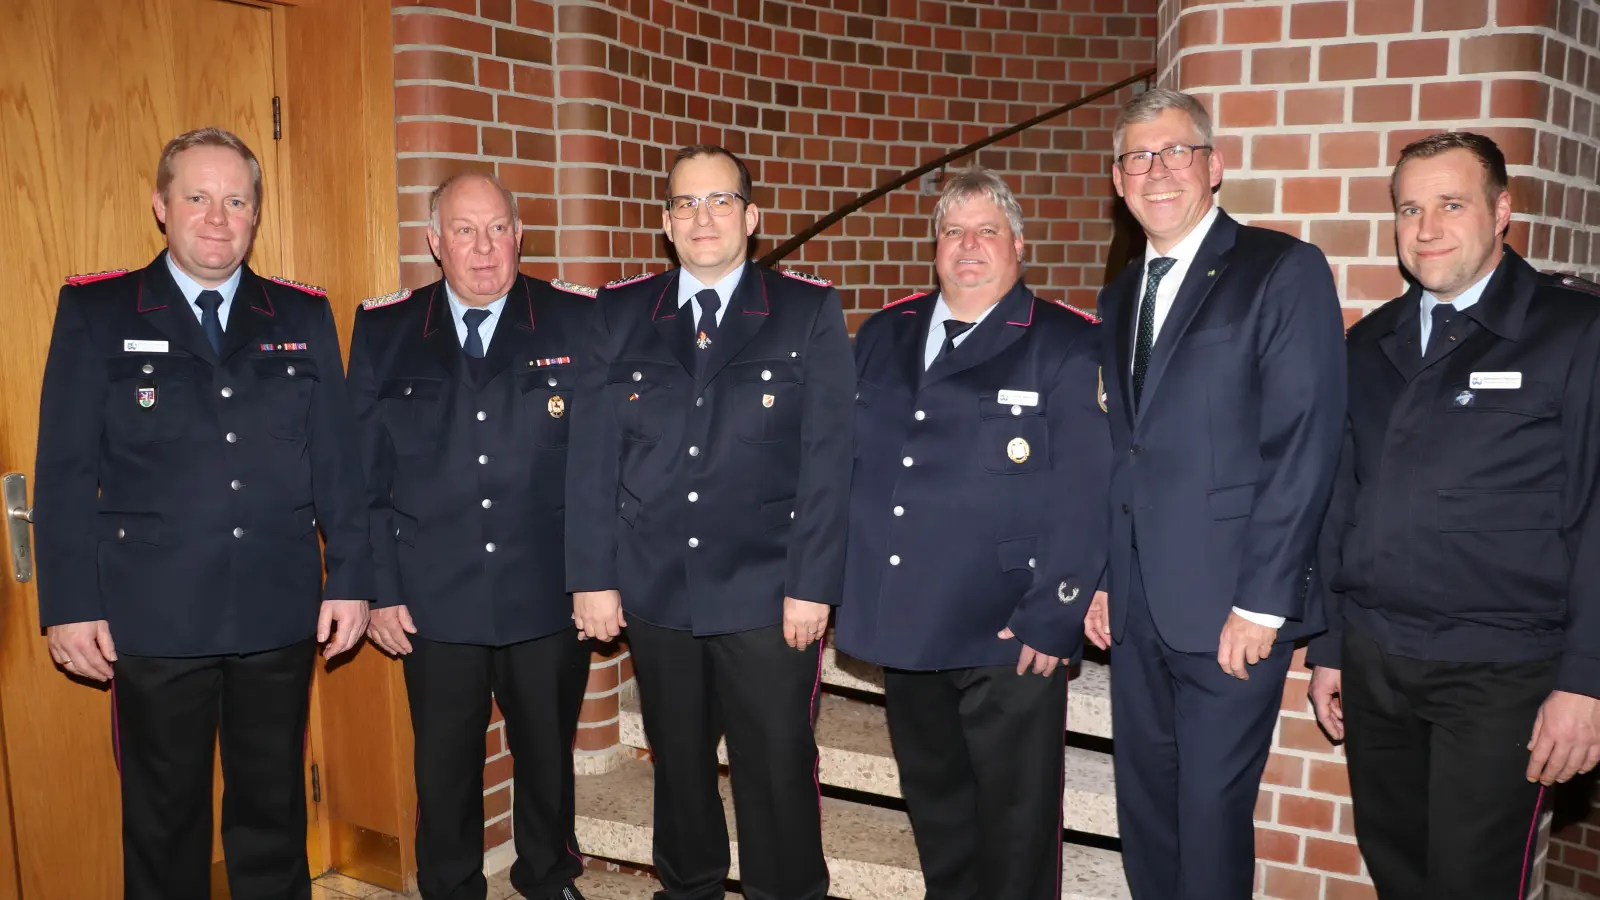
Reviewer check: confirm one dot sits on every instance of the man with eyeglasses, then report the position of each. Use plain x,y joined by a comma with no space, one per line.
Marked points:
1225,379
707,502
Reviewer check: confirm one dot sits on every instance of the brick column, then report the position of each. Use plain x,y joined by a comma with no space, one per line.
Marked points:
1313,100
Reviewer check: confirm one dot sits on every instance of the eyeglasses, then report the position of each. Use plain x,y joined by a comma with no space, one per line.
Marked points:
1176,157
720,203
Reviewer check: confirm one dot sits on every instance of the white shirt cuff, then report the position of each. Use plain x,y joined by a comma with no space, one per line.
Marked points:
1260,618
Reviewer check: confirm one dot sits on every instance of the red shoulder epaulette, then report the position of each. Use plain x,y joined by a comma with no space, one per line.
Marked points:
77,280
1087,315
308,288
631,279
905,299
572,287
807,277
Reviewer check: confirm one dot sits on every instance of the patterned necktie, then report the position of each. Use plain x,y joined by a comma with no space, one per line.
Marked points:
211,323
1155,270
1441,317
474,318
953,328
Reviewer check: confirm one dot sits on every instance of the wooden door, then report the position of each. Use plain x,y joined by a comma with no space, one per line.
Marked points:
89,92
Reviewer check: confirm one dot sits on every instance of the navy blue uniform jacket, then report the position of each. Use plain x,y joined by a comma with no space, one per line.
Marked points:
706,502
179,494
1463,521
457,463
1223,475
969,514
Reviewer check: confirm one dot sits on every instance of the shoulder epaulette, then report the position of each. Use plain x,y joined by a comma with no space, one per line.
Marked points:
1091,317
806,277
574,288
631,279
76,280
1576,283
387,299
905,299
308,288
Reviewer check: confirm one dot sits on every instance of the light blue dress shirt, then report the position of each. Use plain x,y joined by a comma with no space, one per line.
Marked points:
458,312
1468,297
191,291
688,286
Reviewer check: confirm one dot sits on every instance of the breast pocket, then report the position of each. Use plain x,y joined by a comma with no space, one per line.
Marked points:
546,407
150,399
766,400
413,413
1012,439
640,394
285,384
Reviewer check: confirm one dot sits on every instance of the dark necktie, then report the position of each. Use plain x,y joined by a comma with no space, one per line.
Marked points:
1441,317
1155,270
209,302
474,318
706,329
953,328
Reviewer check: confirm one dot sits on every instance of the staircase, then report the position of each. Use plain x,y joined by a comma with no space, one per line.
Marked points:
866,835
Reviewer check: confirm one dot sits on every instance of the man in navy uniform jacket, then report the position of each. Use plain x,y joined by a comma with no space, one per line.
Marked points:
707,502
194,432
977,534
463,391
1224,362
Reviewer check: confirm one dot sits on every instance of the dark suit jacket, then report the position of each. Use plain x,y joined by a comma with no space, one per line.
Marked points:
1223,475
457,463
979,532
707,502
179,493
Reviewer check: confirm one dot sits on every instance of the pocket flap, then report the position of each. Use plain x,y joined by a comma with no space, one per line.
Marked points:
1499,510
303,521
627,505
991,408
777,513
131,527
1205,337
133,366
642,371
411,389
405,529
1539,401
284,366
768,370
1231,502
1017,554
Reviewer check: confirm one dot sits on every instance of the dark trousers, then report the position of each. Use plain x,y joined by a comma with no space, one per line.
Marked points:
763,694
1438,756
980,753
539,685
168,714
1191,742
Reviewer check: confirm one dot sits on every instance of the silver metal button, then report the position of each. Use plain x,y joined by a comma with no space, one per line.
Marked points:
1016,410
899,510
227,392
551,382
920,415
489,546
397,532
694,542
238,532
699,401
233,438
408,390
894,560
483,460
791,514
766,374
694,451
794,354
906,462
289,369
1033,564
147,368
121,534
482,415
694,496
236,484
487,503
638,376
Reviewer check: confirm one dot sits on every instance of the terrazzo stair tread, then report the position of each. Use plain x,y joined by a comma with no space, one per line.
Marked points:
1088,696
853,738
600,885
870,851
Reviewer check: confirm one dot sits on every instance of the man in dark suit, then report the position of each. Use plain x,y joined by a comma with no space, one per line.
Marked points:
707,501
464,393
1224,365
977,535
194,430
1462,661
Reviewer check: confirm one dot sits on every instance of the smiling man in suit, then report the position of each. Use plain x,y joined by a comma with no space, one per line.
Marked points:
1225,379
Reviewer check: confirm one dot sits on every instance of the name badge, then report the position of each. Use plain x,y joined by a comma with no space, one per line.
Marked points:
1495,380
131,346
1019,398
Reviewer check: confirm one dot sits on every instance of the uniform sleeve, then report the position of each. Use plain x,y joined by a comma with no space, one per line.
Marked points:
66,475
1579,672
1071,557
337,488
594,450
377,461
1325,650
827,455
1303,393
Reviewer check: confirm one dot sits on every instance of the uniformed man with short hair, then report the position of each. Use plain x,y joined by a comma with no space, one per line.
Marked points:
707,503
194,432
1462,664
463,390
978,531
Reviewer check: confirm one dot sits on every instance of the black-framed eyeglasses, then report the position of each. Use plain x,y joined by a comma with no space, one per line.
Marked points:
720,203
1176,157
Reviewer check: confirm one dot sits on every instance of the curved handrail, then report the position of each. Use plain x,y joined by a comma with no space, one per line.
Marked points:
826,222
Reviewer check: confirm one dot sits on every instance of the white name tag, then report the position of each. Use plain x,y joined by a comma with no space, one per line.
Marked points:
1495,380
144,346
1019,398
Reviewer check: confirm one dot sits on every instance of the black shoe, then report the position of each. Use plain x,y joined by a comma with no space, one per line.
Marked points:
570,892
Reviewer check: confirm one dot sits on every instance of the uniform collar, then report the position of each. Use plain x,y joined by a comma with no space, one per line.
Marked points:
1502,299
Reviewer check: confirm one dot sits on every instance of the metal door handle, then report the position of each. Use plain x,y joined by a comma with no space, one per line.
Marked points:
19,515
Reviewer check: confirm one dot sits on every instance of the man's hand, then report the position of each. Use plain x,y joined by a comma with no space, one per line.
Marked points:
1327,699
1243,644
1042,664
83,648
804,622
389,627
1566,738
342,624
1097,622
598,614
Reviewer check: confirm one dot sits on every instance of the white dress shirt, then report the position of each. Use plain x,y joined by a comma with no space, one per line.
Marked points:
688,286
1166,294
941,312
458,313
1467,297
191,291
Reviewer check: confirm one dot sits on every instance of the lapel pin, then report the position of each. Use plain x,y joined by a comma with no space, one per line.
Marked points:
147,395
766,400
557,407
1211,273
703,342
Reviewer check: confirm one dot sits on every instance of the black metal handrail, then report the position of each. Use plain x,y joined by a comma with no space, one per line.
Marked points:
824,223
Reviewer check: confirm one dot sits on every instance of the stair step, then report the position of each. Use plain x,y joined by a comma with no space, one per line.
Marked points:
870,852
853,738
601,885
1088,697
